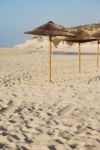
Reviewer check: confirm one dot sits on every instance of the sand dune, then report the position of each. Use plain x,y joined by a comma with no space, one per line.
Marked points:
36,115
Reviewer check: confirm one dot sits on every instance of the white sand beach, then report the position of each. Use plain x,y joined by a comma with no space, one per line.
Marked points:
38,115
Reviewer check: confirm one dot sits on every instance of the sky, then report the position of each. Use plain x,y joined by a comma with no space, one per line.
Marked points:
17,16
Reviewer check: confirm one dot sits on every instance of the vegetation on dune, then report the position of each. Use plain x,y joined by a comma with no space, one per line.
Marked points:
91,28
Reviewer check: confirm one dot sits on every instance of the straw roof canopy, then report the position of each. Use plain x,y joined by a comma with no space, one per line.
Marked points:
51,29
97,35
81,37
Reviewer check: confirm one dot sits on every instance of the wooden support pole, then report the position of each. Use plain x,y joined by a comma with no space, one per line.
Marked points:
79,58
98,53
50,59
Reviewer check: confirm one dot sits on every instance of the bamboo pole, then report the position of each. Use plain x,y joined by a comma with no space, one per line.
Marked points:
79,58
50,51
98,53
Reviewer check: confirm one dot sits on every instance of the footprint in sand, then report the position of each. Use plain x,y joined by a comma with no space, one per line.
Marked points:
5,109
65,111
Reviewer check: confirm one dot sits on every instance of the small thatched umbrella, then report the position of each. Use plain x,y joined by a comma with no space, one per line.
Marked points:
50,29
81,37
97,35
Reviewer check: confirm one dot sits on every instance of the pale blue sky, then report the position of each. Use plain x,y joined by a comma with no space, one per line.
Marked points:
17,16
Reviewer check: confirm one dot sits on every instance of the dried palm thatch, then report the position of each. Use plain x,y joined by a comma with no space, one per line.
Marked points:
97,35
50,29
81,37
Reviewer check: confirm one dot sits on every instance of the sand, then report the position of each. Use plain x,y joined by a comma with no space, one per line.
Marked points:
37,115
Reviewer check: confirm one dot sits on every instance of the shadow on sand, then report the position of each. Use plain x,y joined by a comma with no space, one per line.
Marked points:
72,53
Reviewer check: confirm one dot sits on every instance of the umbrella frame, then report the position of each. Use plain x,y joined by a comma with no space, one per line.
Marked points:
79,51
61,31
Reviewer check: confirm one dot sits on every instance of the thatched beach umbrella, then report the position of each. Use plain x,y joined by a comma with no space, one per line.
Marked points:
97,35
50,29
81,37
